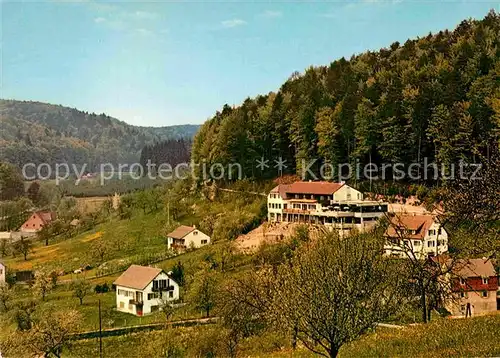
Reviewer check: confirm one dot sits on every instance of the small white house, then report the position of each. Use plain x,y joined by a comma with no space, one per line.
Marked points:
141,290
187,237
3,273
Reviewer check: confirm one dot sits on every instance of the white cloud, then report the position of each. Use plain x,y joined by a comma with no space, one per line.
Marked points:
329,15
233,23
98,20
145,15
272,14
144,32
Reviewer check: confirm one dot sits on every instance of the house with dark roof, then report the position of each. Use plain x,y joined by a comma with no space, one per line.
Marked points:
142,290
37,221
187,237
335,205
419,235
474,283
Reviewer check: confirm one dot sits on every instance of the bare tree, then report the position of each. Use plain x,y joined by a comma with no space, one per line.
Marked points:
100,249
43,284
49,335
333,290
23,246
81,288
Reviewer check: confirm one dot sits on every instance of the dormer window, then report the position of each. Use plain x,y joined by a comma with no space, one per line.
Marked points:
462,281
485,280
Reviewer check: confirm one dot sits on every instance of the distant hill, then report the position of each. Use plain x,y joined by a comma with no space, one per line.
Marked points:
46,133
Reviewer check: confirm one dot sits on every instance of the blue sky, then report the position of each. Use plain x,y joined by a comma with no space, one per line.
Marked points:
162,63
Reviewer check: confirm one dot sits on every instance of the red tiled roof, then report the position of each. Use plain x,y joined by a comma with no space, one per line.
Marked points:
180,232
314,187
281,190
137,277
400,223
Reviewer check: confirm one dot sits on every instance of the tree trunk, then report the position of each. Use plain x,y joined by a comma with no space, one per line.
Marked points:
423,303
294,337
81,300
334,351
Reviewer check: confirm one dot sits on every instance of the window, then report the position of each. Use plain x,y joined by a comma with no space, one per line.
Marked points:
163,283
485,280
150,296
130,307
439,231
431,243
171,294
463,294
484,294
203,242
462,281
1,271
122,304
195,232
416,243
432,232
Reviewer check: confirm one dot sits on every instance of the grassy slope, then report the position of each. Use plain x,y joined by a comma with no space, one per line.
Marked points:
140,235
443,338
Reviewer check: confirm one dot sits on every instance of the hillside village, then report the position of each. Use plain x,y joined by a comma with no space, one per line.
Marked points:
262,245
147,290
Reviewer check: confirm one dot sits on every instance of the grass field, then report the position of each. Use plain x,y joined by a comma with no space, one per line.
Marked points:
128,241
475,337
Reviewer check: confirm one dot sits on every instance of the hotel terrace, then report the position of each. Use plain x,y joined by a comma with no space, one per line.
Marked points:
335,205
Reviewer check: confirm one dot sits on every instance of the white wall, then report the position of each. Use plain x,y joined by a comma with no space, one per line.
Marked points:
2,273
346,193
130,294
195,239
422,248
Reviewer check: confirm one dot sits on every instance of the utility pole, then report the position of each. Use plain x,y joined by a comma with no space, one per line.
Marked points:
168,212
100,330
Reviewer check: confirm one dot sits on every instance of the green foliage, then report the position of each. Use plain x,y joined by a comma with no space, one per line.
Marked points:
178,273
203,290
11,182
434,97
45,133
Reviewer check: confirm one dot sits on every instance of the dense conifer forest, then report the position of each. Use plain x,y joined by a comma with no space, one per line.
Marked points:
434,97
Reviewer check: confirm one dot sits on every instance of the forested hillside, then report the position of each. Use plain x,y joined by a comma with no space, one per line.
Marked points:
436,97
45,133
171,151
